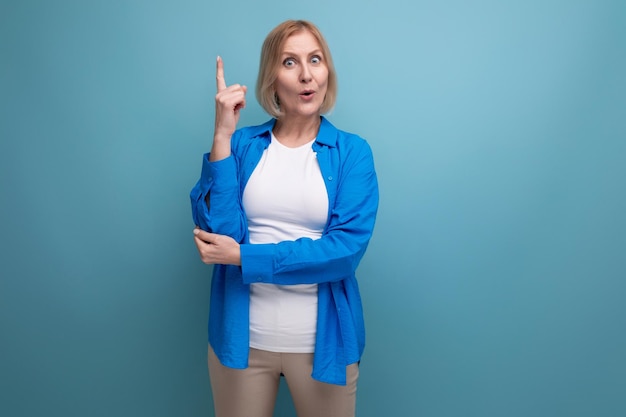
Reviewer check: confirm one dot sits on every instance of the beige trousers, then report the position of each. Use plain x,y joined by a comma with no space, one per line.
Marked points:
252,392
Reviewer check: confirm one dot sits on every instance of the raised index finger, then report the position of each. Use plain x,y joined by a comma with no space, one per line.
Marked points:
219,77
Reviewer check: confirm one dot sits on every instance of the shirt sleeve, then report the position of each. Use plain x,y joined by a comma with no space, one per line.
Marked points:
336,255
215,199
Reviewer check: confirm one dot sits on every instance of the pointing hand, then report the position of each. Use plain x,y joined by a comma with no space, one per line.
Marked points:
229,101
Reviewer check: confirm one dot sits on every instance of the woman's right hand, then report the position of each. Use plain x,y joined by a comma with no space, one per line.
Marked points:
228,104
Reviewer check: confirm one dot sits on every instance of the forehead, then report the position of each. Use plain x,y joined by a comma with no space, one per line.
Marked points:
302,41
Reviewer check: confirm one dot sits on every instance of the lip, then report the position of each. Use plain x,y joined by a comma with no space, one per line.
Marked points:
307,94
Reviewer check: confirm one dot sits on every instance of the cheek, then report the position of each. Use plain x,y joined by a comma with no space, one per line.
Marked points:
285,83
323,78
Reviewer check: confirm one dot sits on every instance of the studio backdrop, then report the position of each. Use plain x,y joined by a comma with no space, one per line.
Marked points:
494,284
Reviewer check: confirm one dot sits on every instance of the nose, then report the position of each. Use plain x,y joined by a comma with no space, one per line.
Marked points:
305,76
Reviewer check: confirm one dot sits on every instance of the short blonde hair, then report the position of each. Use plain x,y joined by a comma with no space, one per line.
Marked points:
270,62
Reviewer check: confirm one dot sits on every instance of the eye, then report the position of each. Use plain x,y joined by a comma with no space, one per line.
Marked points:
316,59
289,62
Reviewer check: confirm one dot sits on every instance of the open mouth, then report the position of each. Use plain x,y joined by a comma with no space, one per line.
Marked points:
307,93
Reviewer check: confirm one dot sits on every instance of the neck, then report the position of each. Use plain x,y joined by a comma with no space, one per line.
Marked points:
293,133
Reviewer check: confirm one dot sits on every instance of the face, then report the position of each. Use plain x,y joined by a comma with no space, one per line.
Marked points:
302,78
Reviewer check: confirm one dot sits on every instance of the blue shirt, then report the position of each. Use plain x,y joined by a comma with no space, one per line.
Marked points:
347,166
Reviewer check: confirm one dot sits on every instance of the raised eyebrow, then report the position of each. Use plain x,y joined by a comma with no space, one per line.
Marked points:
288,54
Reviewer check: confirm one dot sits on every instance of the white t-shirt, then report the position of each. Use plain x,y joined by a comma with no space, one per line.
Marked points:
285,199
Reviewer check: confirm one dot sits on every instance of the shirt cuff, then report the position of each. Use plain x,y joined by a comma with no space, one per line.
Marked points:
256,263
220,174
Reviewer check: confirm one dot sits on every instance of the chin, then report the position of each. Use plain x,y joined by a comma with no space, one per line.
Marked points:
312,109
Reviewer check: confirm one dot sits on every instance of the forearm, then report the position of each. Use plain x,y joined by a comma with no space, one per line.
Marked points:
220,148
303,261
215,199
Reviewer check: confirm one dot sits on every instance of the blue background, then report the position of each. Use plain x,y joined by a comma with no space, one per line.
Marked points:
495,282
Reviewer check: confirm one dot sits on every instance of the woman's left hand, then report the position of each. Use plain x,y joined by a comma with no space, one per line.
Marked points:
217,249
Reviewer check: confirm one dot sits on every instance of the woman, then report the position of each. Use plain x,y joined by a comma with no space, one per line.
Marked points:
285,211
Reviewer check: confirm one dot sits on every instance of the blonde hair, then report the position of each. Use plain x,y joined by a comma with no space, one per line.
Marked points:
270,63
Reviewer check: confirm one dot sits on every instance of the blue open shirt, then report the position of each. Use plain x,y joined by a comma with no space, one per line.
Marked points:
347,165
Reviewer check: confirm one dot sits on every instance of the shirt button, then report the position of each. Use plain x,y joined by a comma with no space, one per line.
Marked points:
330,178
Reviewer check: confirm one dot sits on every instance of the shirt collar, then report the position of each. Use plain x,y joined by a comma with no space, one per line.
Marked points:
327,134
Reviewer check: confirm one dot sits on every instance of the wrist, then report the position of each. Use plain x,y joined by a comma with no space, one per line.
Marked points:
222,137
236,260
220,148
